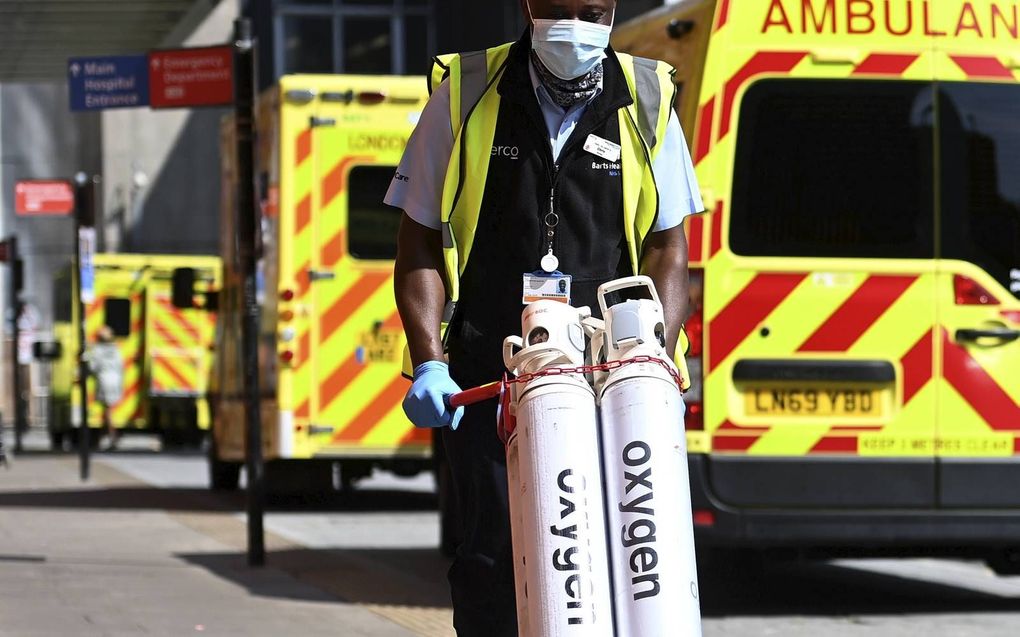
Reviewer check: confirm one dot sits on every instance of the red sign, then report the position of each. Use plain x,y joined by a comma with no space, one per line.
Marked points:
191,77
38,197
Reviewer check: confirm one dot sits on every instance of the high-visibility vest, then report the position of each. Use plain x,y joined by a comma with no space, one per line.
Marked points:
474,109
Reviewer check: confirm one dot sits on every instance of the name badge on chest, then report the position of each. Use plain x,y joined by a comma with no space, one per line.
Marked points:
546,286
602,148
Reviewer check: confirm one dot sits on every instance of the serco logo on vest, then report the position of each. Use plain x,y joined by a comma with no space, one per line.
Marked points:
513,152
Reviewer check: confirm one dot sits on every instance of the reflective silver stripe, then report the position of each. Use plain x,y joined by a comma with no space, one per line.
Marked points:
447,236
649,95
473,81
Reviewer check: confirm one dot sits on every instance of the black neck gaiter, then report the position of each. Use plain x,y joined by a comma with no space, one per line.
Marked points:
567,93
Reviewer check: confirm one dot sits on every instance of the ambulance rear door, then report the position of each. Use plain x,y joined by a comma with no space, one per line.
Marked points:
119,304
817,138
978,417
362,127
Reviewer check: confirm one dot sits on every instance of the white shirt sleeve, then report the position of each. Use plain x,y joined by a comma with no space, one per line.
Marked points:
679,195
417,186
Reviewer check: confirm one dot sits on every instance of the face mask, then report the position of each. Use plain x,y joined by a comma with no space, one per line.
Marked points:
569,48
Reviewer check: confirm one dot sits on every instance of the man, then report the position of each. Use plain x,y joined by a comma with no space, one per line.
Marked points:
568,165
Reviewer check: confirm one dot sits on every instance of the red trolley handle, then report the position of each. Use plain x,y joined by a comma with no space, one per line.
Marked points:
476,395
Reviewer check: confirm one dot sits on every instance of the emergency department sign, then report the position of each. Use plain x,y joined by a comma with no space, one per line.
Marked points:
192,77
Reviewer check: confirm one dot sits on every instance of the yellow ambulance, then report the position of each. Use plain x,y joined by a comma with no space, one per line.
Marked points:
856,334
166,350
331,339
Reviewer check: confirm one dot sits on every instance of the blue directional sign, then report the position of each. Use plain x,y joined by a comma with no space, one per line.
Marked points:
108,82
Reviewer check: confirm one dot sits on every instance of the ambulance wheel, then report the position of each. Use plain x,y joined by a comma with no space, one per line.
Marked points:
94,436
56,440
194,438
450,532
223,476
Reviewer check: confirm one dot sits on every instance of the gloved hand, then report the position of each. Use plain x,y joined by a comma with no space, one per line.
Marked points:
425,403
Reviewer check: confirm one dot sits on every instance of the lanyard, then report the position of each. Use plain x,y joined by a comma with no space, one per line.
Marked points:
550,262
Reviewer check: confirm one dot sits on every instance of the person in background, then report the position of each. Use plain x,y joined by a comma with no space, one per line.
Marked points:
107,365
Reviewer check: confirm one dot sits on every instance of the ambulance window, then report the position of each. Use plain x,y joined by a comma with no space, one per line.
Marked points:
371,225
979,155
416,47
298,55
834,168
118,316
367,47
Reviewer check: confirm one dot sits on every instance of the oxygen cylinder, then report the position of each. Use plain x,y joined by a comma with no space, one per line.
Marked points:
516,532
644,453
554,472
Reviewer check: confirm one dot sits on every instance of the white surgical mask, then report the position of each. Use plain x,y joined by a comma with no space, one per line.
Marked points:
569,48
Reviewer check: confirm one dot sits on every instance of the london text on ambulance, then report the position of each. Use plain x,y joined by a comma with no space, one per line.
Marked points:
895,17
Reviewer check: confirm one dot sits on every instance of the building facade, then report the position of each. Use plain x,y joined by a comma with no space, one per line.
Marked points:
383,36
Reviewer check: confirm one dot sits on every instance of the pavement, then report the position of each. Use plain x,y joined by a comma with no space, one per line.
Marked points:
145,548
117,557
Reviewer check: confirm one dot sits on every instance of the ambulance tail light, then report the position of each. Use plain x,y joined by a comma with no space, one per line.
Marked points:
694,325
286,357
695,330
366,98
694,420
704,517
287,295
370,98
970,292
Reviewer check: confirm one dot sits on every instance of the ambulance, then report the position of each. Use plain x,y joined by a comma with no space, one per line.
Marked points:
856,279
166,351
331,340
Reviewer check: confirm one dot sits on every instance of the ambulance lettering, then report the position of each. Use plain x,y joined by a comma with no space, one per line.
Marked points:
378,142
644,559
577,586
913,17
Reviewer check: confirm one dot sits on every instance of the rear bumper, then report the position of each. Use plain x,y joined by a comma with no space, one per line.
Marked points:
901,529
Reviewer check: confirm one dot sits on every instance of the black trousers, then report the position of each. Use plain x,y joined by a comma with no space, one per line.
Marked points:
481,577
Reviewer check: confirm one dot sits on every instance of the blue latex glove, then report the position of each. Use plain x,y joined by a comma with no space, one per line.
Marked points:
425,403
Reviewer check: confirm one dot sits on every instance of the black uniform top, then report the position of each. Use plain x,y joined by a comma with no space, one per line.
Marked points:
587,192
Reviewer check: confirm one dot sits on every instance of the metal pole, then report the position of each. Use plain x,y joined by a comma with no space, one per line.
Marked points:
244,113
16,380
84,216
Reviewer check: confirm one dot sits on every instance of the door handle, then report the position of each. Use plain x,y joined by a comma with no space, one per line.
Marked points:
321,275
971,335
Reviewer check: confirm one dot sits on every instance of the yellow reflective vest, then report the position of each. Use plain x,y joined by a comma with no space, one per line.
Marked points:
474,109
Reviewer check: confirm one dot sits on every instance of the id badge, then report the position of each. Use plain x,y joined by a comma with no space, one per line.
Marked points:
547,286
603,148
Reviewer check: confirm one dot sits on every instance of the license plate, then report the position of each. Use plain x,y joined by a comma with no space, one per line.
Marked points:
383,346
791,401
